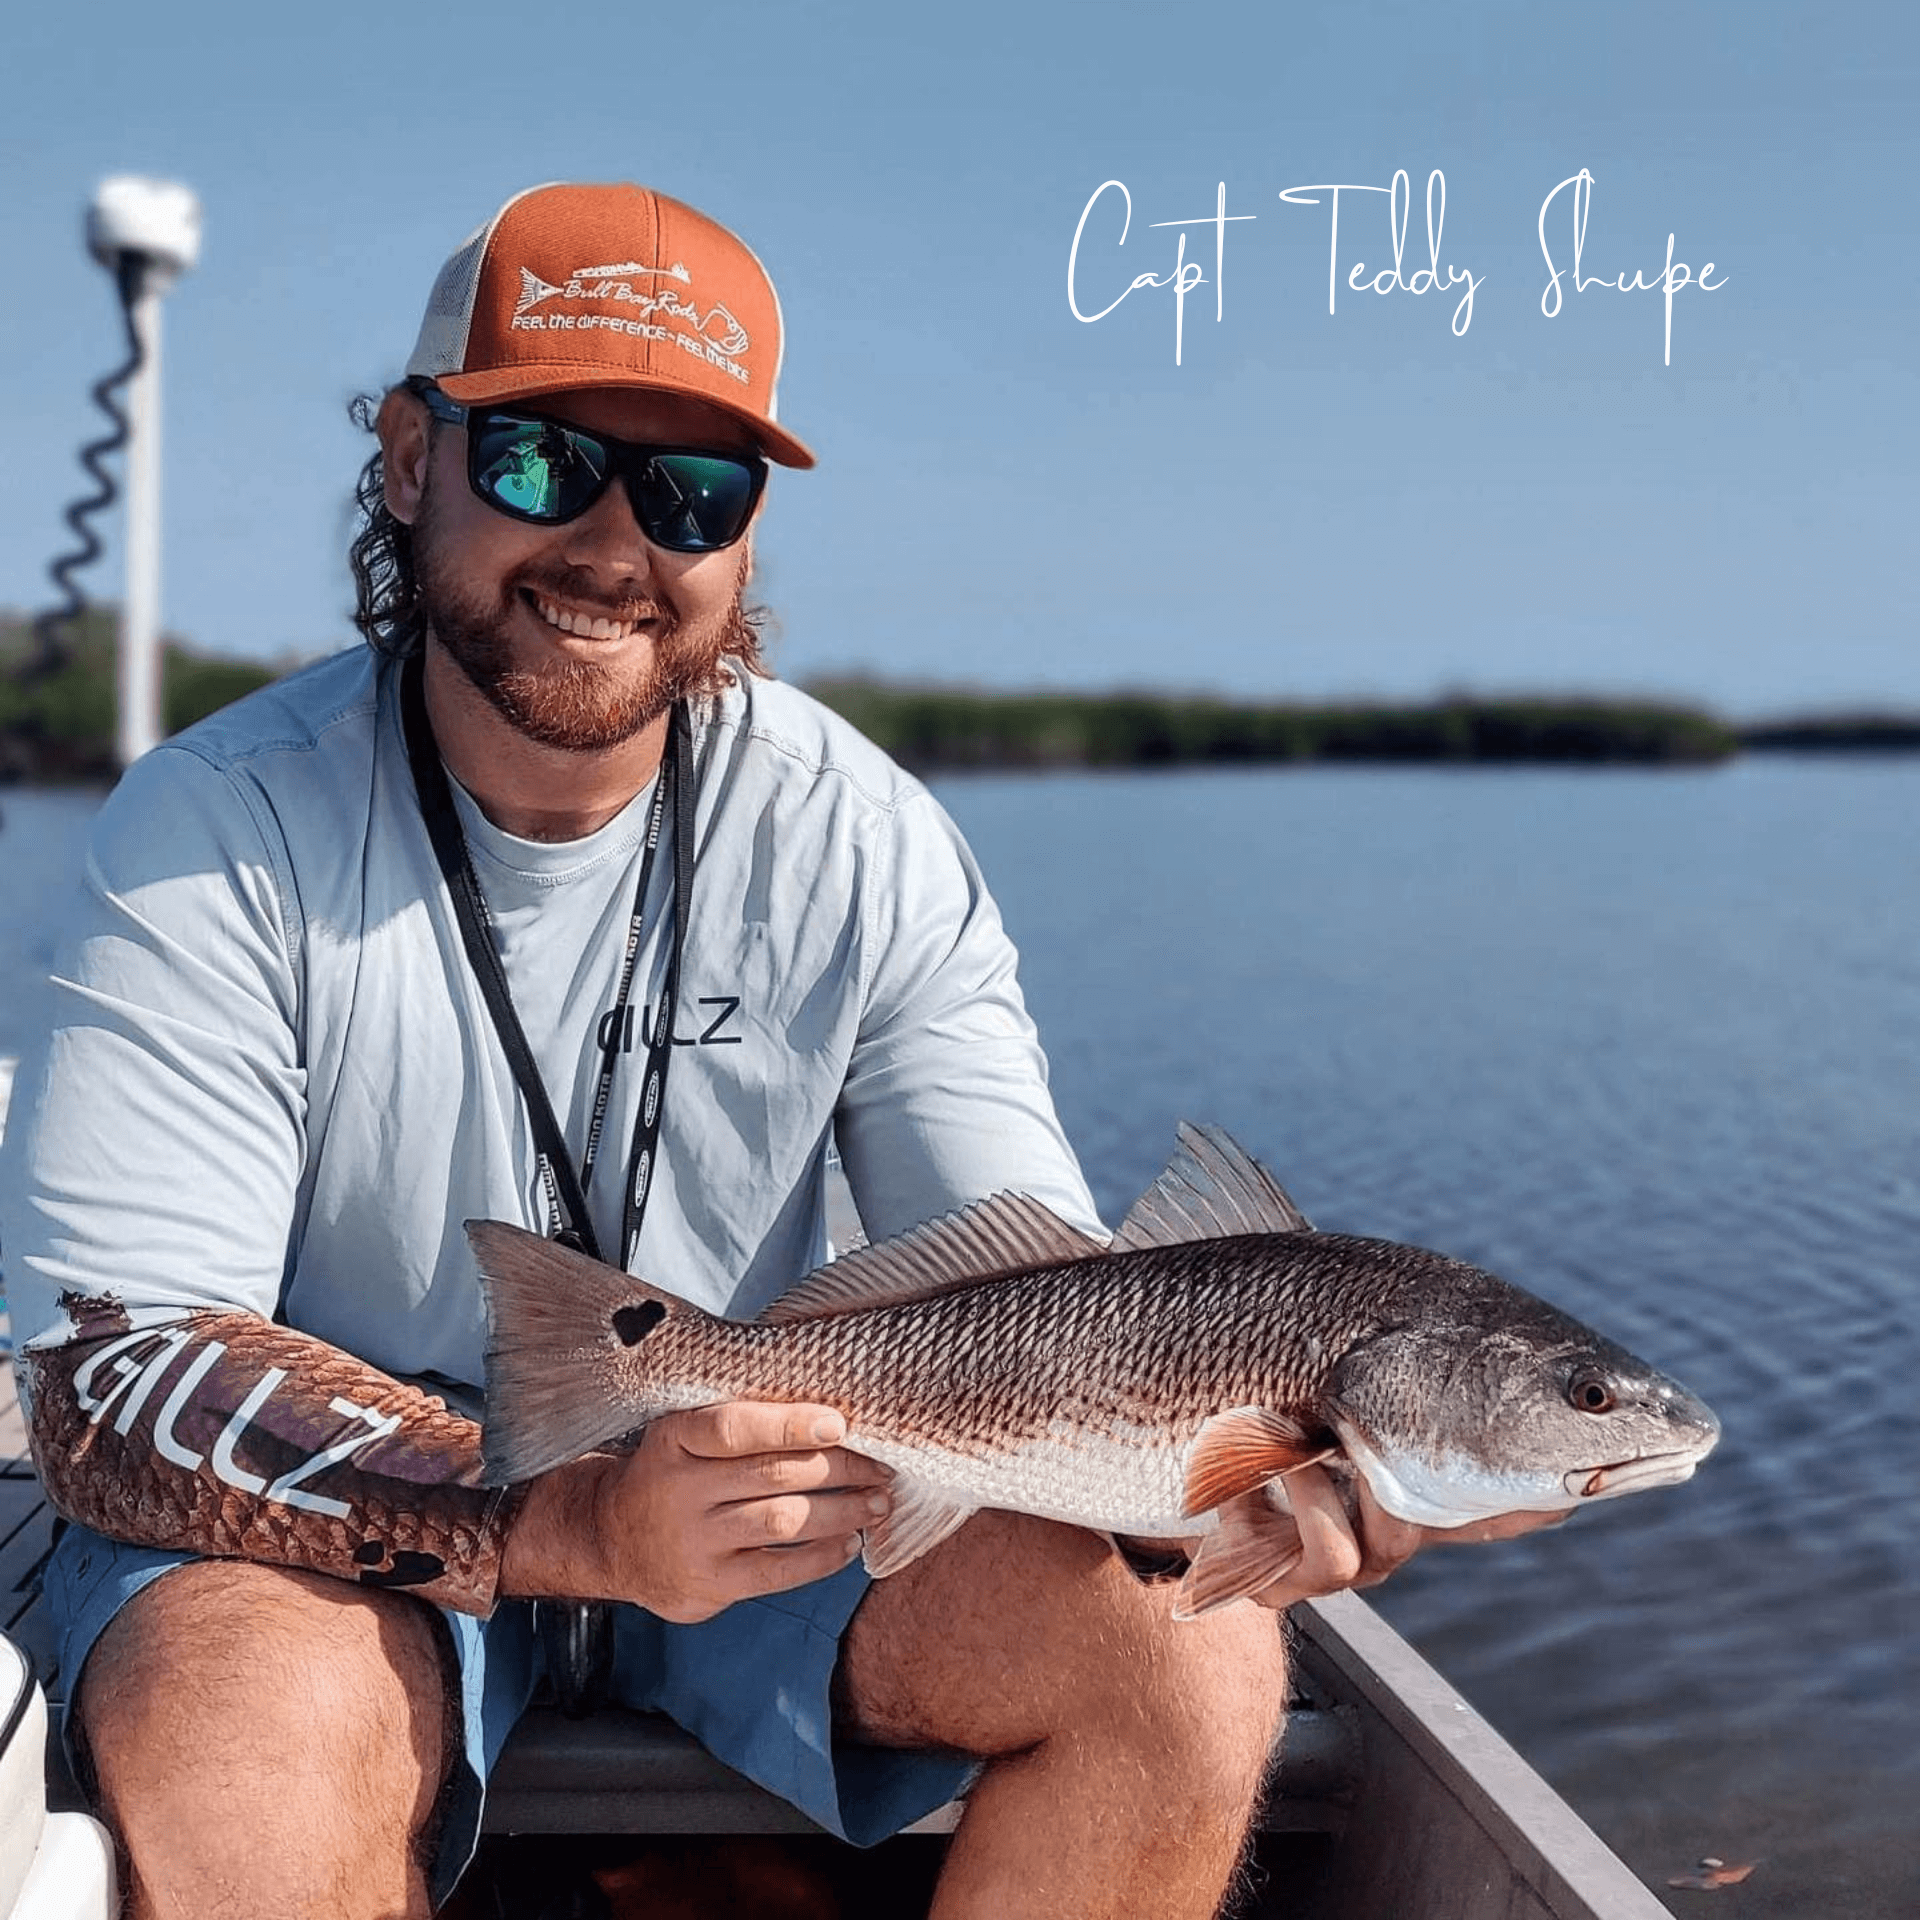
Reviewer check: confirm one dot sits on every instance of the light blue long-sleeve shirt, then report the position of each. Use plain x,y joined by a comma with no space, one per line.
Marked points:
273,1083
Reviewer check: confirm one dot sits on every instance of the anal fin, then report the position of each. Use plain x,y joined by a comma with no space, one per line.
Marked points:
1254,1545
921,1518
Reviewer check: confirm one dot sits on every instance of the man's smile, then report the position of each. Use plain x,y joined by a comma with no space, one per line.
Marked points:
586,626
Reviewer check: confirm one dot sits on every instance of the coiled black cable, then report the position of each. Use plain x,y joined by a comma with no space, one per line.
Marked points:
130,273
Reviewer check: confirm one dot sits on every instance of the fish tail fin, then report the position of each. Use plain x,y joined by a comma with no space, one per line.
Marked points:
562,1330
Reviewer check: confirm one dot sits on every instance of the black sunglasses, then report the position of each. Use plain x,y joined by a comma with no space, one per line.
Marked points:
686,499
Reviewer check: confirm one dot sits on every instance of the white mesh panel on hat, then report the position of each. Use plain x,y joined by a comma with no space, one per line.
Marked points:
442,345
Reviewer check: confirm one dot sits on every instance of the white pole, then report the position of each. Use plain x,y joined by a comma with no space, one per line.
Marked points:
147,234
139,661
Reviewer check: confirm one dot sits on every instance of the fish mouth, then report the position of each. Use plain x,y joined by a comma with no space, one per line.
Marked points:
1629,1476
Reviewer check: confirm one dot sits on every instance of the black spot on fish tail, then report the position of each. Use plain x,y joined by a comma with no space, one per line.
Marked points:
369,1553
634,1323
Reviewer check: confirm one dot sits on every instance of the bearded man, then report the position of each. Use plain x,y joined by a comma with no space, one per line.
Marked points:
552,875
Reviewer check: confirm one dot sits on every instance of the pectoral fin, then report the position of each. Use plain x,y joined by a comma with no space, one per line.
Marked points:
1255,1543
1243,1449
922,1517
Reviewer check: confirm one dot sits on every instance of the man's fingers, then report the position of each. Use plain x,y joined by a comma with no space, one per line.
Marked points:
1330,1556
736,1428
757,1475
1347,1539
1388,1541
714,1584
1327,1556
1344,1541
797,1519
780,1570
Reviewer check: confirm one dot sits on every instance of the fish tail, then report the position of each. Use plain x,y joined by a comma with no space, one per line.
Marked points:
565,1334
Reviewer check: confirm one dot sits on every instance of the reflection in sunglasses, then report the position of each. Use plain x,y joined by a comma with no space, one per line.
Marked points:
687,499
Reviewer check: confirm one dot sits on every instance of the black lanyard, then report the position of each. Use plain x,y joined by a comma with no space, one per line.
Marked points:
566,1190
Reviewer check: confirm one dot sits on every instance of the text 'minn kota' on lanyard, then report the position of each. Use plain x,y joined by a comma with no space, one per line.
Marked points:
566,1190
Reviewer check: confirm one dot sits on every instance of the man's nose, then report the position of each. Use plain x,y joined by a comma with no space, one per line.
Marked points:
607,537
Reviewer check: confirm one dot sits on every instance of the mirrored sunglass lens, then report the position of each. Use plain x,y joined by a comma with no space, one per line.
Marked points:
694,501
536,468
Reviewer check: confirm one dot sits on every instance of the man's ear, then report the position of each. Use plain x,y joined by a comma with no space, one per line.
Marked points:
404,427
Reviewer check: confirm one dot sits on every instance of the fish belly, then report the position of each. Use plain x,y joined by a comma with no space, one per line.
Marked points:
1124,1482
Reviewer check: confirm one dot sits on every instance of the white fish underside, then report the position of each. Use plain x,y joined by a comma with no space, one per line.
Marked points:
1132,1480
1112,1483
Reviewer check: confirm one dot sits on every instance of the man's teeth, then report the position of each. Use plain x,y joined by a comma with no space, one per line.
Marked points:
587,626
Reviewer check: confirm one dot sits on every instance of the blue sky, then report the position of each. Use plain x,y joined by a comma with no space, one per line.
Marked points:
1309,504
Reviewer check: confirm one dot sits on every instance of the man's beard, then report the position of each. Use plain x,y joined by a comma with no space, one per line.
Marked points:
577,705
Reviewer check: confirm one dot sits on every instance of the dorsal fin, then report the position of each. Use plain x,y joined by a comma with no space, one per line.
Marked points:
1212,1186
989,1240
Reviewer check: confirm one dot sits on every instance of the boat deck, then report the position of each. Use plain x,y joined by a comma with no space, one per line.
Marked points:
25,1522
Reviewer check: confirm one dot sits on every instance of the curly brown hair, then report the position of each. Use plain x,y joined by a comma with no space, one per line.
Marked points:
387,606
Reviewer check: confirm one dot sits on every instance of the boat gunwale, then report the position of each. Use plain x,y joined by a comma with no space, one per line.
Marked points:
1346,1648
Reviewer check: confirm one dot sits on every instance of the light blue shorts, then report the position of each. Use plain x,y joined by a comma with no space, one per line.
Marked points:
752,1685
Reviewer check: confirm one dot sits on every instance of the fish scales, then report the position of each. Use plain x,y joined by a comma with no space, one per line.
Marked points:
1166,1335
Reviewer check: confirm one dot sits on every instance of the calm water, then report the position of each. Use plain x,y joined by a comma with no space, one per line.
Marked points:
1648,1044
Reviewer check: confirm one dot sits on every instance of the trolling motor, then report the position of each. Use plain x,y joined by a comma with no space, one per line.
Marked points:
146,233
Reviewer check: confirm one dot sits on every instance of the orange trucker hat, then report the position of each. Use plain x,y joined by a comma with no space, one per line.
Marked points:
607,286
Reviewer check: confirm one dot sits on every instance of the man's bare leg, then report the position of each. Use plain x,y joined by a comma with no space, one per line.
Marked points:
1127,1748
268,1742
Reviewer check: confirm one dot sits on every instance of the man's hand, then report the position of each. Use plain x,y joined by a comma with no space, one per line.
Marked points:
714,1505
1348,1539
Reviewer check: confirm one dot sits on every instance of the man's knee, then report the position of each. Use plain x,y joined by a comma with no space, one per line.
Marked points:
241,1719
234,1652
1017,1631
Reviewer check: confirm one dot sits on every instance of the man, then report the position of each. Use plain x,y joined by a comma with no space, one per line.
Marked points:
553,877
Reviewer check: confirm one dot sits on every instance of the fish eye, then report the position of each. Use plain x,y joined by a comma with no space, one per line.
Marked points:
1590,1391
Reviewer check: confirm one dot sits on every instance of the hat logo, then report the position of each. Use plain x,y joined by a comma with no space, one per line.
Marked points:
614,302
675,272
532,291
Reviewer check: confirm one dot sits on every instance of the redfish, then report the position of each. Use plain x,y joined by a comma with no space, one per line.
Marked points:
1162,1384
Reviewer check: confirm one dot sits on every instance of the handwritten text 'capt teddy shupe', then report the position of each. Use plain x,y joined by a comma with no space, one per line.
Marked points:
1184,275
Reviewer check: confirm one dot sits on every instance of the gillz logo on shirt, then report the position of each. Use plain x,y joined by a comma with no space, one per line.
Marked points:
621,1027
